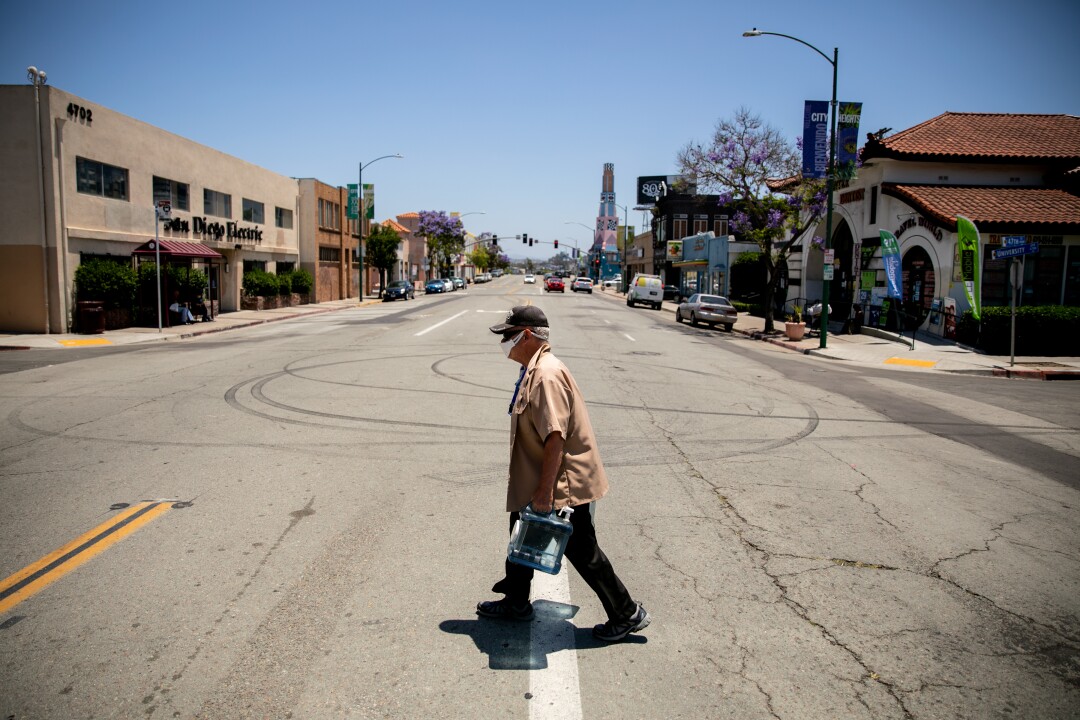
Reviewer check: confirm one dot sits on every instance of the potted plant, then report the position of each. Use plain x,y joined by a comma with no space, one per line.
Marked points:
795,328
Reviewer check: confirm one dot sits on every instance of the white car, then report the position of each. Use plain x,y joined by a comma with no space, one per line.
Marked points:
530,279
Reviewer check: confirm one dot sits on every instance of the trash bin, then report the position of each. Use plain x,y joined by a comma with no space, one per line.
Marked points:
91,317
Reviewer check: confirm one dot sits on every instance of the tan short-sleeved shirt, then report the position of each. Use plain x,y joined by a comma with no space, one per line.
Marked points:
549,400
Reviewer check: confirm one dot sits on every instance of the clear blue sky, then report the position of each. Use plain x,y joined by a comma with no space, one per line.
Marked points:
513,108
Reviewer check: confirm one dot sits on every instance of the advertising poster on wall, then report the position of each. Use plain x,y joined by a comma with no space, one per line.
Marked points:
674,250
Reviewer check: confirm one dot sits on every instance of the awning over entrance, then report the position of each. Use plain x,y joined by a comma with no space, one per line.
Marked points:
177,249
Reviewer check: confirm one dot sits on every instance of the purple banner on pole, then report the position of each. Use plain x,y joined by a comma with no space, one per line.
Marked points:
815,139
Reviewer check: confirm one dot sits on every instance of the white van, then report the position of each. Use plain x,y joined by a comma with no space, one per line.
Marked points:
645,289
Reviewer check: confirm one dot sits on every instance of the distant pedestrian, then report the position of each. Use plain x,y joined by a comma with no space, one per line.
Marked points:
554,463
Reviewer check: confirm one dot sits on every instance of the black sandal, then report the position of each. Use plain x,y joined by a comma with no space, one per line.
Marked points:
503,610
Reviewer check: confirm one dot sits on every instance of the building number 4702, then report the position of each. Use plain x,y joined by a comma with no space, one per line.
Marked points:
78,111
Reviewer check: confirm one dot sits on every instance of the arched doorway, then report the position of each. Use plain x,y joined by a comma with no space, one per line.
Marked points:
919,286
840,298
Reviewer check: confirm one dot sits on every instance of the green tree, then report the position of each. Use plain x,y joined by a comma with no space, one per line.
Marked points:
480,257
756,172
382,250
445,237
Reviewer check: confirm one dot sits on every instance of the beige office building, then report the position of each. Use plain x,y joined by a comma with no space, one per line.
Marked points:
78,180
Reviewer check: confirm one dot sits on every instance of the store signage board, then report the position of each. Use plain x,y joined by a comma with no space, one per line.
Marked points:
1009,252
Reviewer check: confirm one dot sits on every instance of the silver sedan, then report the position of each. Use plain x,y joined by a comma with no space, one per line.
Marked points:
711,309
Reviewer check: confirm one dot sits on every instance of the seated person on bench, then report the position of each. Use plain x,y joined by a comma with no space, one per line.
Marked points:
181,310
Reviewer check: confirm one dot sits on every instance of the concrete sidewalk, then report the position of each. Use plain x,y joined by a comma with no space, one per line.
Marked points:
223,322
882,349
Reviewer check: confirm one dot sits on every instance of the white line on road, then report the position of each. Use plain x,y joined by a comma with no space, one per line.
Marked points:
629,338
556,693
438,324
607,321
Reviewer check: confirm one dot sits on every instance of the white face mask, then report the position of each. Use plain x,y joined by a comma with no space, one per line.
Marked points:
509,345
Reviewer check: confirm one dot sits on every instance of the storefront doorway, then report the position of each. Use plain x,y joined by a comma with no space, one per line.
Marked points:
840,293
918,286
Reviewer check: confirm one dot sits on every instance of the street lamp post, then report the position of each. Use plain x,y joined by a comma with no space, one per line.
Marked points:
599,277
829,178
361,212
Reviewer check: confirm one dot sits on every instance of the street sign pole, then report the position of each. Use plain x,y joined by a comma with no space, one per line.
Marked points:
162,211
1014,274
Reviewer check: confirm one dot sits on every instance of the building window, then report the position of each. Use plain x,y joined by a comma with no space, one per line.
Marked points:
720,226
96,178
216,203
175,192
250,265
329,215
285,267
678,227
354,226
253,211
873,205
1043,273
329,254
701,224
283,218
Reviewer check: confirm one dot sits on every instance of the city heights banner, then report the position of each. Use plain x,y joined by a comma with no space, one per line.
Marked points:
815,149
847,133
816,138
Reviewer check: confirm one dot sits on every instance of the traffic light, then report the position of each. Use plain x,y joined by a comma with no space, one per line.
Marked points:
494,239
525,239
556,244
530,243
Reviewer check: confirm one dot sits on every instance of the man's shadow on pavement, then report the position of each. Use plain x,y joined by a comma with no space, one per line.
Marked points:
509,644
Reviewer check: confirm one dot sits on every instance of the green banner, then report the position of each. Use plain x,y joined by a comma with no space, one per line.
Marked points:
350,211
967,241
369,201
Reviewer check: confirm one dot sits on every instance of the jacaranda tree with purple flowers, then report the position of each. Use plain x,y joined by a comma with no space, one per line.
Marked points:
756,173
445,237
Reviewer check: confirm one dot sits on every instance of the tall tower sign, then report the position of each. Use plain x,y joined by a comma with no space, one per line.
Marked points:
607,221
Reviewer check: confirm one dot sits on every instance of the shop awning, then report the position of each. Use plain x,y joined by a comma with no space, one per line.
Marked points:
178,249
690,263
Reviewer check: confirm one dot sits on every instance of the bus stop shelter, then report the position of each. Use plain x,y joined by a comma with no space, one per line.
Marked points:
181,254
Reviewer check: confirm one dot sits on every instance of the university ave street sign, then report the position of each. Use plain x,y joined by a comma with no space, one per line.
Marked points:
1015,251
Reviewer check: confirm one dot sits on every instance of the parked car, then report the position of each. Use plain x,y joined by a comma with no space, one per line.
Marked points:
712,309
554,283
530,279
645,289
613,282
459,284
435,286
398,289
672,292
582,284
450,287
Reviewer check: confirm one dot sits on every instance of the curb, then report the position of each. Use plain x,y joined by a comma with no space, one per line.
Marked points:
221,328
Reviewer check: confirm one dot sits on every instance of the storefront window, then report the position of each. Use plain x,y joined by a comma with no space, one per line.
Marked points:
995,279
1043,274
250,265
1072,277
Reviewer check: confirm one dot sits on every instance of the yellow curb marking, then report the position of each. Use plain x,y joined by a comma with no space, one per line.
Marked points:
84,343
912,363
40,574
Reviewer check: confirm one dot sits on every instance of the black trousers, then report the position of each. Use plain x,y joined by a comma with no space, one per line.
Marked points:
588,559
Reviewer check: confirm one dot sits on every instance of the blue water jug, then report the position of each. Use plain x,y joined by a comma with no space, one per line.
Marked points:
539,539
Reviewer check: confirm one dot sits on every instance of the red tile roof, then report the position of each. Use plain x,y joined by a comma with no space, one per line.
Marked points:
396,226
993,209
986,136
409,215
175,248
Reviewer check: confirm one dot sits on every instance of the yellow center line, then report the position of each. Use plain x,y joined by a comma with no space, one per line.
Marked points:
912,363
40,574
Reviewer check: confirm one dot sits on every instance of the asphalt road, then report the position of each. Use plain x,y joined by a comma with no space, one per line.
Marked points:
297,520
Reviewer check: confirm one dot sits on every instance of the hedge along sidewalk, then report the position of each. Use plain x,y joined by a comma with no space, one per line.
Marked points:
222,323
